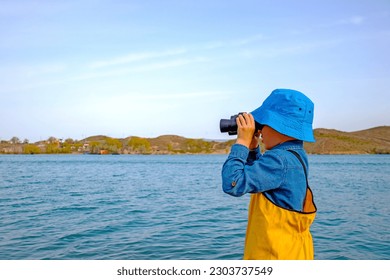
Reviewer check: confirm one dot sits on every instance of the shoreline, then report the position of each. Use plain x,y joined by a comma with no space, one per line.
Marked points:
328,141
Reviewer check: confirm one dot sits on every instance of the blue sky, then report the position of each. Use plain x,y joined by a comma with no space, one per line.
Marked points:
72,69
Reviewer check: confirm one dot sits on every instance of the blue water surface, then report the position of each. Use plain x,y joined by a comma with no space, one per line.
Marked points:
172,207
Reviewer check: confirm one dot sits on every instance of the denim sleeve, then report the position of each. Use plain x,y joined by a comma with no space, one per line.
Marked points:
242,174
253,155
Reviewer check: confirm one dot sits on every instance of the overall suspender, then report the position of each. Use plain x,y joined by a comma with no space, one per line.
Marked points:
312,208
303,165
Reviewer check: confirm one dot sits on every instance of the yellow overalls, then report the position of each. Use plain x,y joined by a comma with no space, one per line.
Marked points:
275,233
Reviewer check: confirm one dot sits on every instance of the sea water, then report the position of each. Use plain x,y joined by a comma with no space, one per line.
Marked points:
172,207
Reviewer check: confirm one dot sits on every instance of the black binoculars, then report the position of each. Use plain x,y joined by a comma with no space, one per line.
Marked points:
230,125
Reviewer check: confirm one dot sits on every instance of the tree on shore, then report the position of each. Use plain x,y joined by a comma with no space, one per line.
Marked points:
94,147
113,145
15,140
139,145
198,146
31,149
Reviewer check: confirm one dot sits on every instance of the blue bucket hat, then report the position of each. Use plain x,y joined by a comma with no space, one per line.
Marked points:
289,112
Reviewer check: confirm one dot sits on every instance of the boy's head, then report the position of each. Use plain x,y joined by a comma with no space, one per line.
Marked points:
289,112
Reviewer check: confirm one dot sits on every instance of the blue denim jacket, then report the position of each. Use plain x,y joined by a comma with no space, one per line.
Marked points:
277,173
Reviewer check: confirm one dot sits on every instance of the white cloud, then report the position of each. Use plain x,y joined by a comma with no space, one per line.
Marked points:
248,40
134,57
238,42
288,49
356,20
157,98
167,64
178,52
352,20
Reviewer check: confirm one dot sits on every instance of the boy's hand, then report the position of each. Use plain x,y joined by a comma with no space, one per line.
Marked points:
255,140
246,131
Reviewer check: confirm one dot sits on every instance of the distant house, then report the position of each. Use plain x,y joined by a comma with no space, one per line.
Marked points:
104,152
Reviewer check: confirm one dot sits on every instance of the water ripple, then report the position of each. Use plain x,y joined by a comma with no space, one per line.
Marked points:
172,207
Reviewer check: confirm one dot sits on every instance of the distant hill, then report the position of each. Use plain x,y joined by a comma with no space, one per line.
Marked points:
328,141
370,141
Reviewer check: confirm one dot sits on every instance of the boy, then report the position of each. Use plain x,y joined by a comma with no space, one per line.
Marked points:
281,208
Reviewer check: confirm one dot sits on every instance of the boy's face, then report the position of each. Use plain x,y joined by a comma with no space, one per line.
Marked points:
270,137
